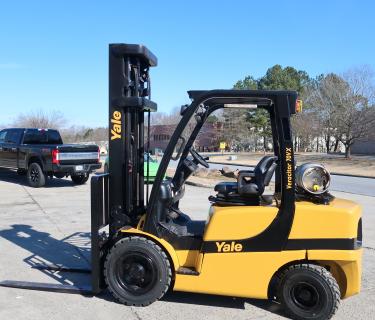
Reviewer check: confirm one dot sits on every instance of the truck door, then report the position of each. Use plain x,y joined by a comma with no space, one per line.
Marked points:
10,148
3,134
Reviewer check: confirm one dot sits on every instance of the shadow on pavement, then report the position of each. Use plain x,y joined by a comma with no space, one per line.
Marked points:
221,301
74,252
11,176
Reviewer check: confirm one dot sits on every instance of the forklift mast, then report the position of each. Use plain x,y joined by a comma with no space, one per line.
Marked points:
117,197
129,99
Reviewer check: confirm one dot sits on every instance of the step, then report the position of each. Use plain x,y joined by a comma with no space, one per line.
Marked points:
187,271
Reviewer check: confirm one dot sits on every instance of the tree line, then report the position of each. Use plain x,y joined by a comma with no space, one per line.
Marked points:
56,120
337,109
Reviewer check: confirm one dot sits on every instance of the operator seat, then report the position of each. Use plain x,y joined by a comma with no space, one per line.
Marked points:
250,185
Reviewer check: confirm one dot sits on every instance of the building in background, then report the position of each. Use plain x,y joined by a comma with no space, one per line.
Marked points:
207,140
364,146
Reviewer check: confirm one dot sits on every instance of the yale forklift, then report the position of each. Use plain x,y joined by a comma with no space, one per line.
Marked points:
300,247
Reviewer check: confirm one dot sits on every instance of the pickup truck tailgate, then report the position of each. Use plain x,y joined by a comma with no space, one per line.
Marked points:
78,154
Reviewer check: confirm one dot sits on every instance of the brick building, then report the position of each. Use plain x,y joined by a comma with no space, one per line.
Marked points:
160,136
364,146
207,139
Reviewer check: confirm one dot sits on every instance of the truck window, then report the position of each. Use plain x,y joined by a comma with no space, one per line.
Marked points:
54,137
40,136
2,136
13,136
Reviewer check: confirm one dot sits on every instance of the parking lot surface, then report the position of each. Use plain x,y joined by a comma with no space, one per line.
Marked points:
52,225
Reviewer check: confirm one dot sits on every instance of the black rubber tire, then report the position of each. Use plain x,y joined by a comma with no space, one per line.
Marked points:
80,178
308,291
21,172
35,175
121,258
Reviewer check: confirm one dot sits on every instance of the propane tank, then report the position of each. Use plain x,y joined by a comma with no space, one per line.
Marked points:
312,178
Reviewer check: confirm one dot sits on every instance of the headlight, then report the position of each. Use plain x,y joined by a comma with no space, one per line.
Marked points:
313,178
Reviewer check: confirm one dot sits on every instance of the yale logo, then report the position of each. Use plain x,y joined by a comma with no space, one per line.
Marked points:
228,247
116,125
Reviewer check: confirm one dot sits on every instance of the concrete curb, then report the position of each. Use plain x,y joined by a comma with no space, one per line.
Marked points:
332,173
351,175
195,184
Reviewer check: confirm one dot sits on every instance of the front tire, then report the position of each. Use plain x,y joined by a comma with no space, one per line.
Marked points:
79,178
309,291
35,176
137,271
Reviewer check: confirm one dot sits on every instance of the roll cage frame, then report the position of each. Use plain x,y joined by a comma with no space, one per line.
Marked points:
280,105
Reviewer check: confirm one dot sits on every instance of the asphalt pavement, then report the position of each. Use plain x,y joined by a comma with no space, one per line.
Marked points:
52,225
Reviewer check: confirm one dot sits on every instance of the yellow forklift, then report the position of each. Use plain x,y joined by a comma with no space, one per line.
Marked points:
299,246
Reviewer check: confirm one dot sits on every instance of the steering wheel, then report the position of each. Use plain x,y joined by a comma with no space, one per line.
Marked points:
198,158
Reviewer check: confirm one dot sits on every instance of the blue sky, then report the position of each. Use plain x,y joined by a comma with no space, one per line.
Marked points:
53,54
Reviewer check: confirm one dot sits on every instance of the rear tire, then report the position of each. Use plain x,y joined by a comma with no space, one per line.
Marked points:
308,291
35,176
137,271
80,178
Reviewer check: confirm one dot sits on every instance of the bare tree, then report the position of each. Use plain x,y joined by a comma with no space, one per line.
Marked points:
305,128
173,117
40,119
355,114
84,134
344,106
323,95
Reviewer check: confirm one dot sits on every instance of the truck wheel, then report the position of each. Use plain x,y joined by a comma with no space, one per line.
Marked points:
137,271
35,176
80,178
309,291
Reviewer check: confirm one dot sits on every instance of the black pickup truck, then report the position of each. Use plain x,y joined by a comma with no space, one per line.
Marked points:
40,153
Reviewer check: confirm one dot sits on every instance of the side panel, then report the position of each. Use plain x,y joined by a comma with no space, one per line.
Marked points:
22,154
346,267
337,220
188,258
238,222
9,148
245,274
315,226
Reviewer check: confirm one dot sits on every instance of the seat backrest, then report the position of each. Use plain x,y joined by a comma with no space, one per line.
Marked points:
260,177
269,173
262,168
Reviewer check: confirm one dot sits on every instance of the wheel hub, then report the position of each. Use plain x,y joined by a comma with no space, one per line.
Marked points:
305,295
34,174
136,273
